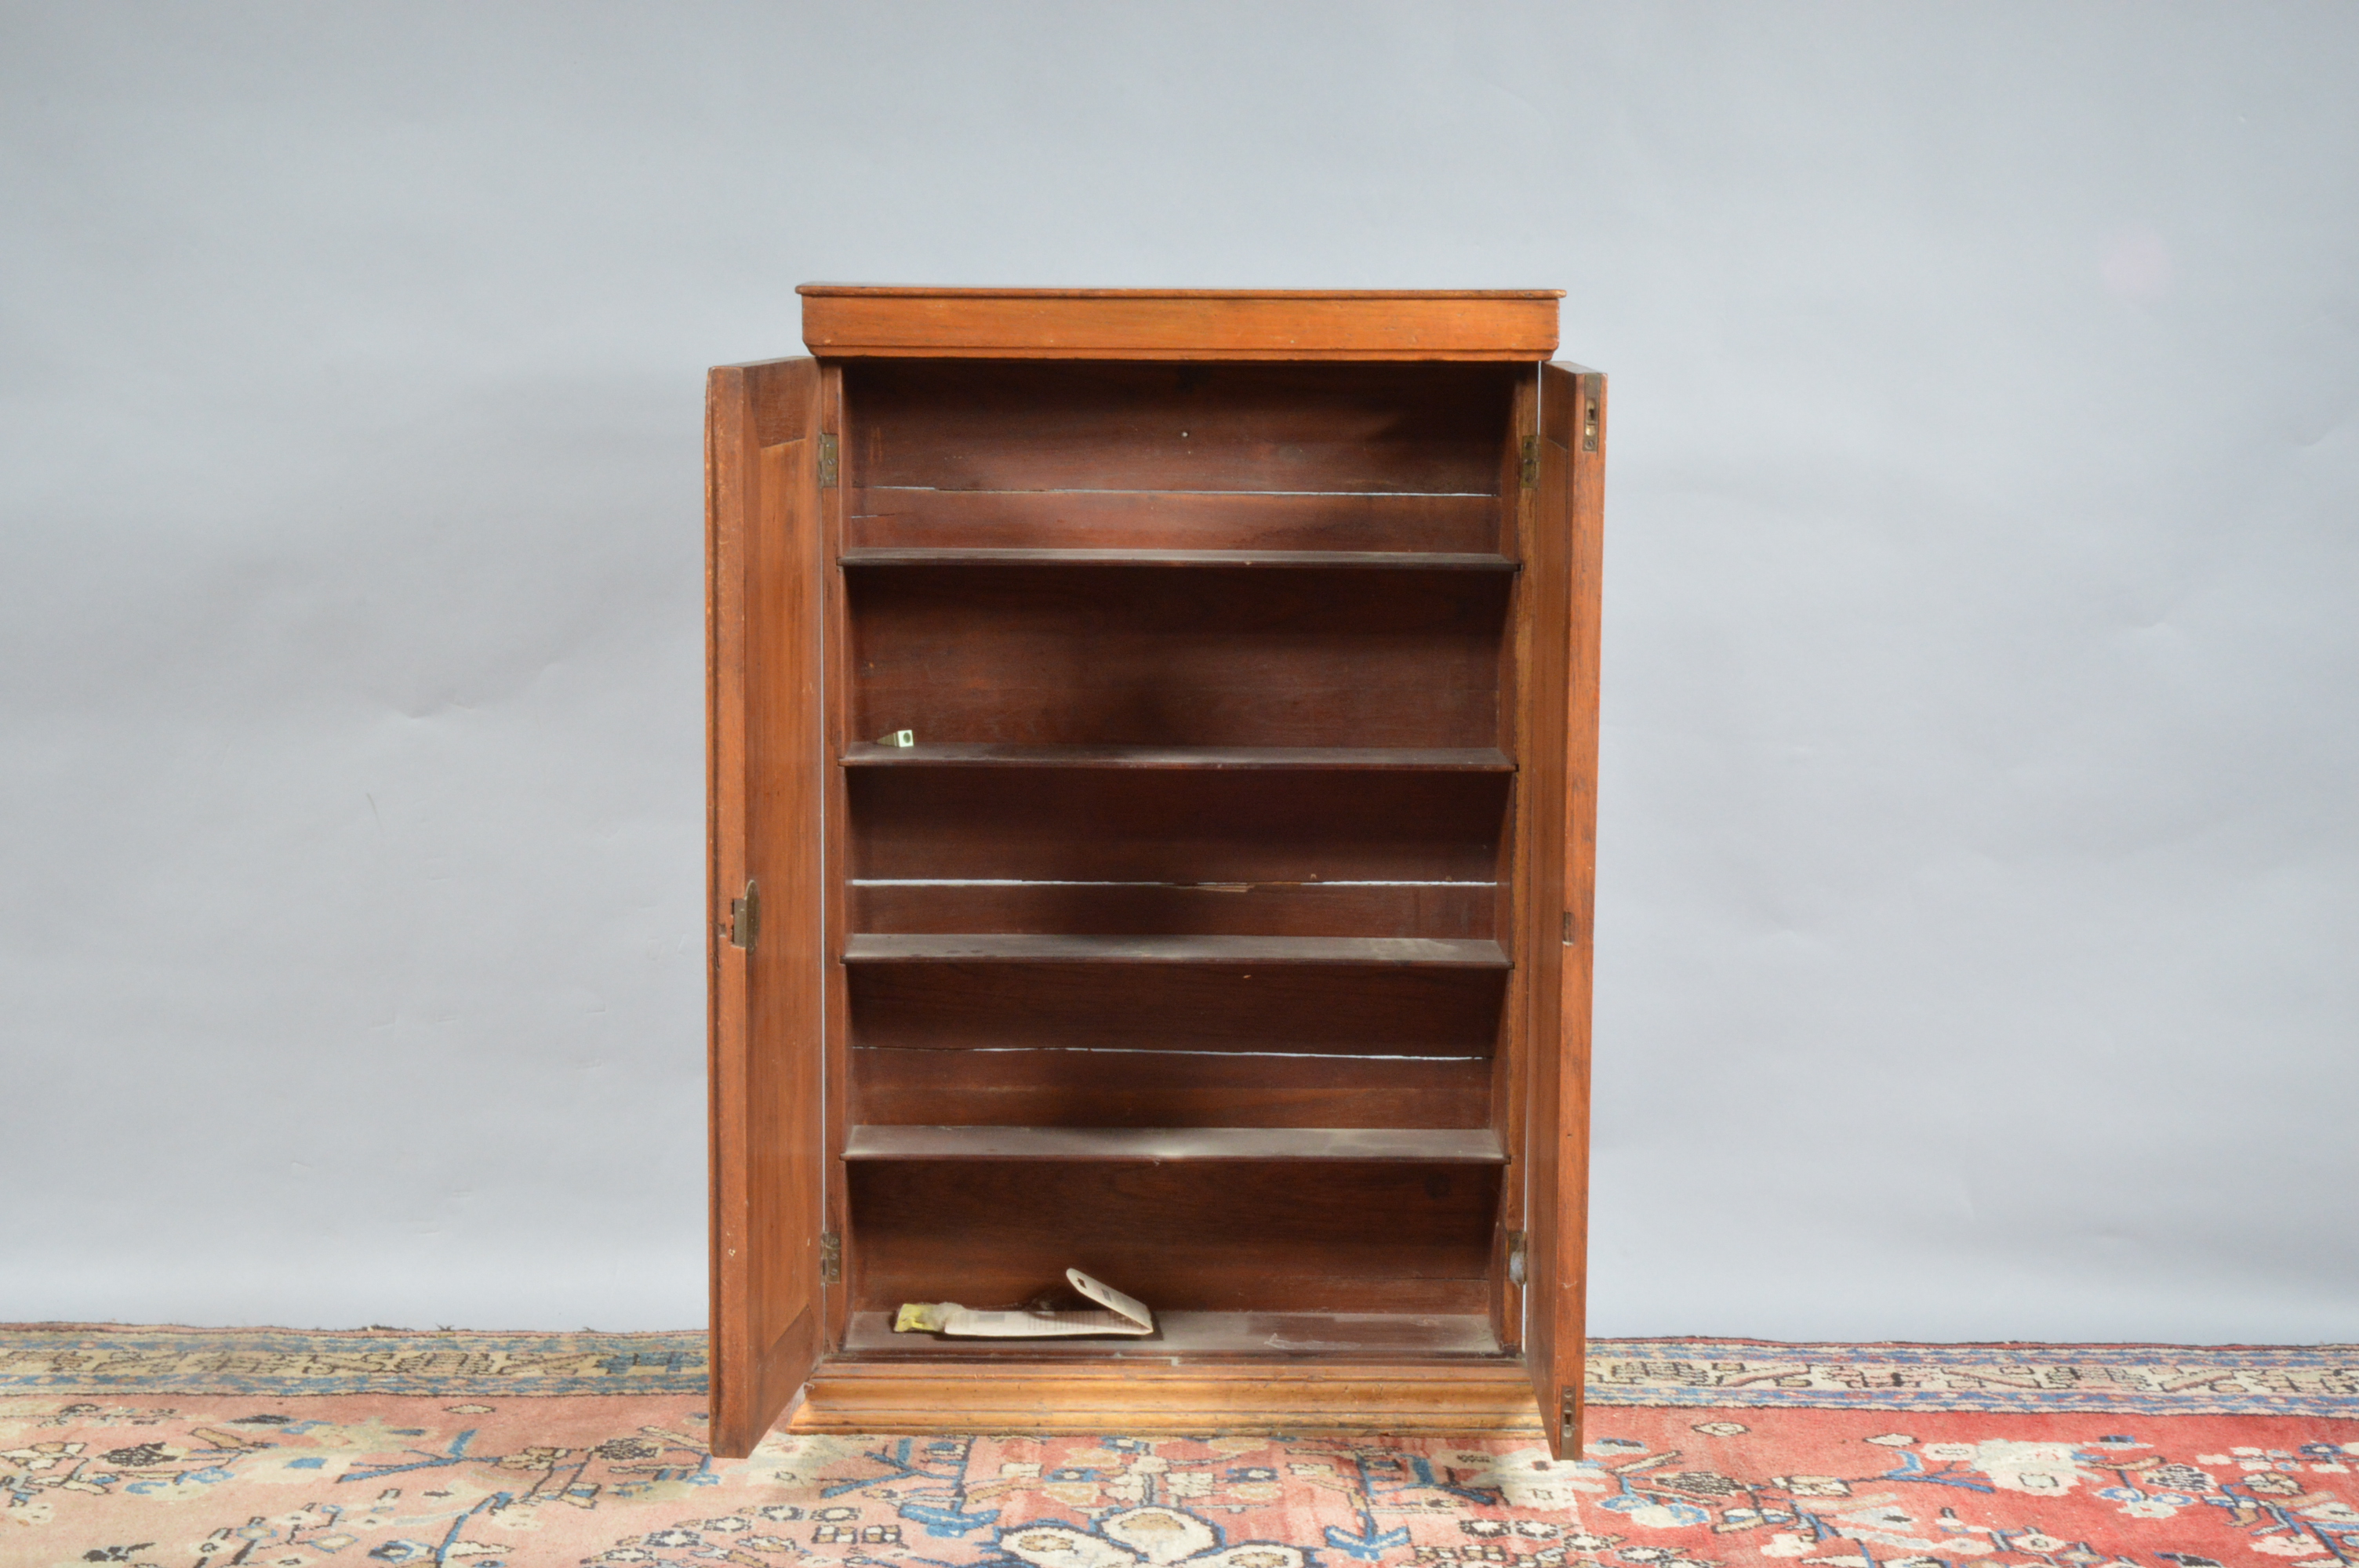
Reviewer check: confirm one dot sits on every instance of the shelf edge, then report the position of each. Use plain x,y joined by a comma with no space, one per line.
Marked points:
1264,759
1007,947
1159,1145
1296,560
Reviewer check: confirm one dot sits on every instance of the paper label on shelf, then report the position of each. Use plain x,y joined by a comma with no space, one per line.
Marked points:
1125,1314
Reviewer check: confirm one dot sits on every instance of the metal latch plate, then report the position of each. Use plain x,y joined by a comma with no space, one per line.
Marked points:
745,917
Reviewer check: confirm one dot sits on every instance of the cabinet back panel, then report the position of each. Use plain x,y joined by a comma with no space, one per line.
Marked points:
887,518
1293,1011
1465,913
1175,826
1209,656
1381,428
1240,1236
1164,1088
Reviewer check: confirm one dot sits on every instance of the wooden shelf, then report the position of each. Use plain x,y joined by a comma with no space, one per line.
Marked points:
1411,560
1405,952
1339,758
1252,1333
1429,1145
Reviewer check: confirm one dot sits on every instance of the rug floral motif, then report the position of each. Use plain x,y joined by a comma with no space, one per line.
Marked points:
194,1449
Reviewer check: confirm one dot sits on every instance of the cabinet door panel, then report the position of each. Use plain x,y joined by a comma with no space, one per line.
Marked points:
763,584
1571,503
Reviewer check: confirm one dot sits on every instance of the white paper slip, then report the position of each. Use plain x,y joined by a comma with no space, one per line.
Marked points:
1125,1316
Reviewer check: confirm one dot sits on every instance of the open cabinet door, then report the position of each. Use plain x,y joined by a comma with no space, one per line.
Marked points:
762,688
1569,507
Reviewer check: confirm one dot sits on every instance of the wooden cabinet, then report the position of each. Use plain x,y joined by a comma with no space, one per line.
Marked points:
1152,760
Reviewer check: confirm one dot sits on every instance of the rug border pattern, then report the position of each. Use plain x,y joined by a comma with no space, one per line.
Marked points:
1999,1378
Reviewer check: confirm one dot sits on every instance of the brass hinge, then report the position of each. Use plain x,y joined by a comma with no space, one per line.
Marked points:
827,462
1570,1413
745,917
1517,1251
1531,462
1568,926
1588,417
830,1257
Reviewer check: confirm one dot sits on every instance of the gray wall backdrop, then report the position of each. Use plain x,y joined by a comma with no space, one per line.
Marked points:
1980,871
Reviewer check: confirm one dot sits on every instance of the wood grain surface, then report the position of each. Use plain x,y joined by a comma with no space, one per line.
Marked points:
1342,759
1154,1087
763,627
1112,655
1557,1105
1458,1146
1231,1005
1326,560
1333,952
1179,825
1177,1395
887,518
1226,931
1462,911
1335,431
852,322
1271,1336
1225,1236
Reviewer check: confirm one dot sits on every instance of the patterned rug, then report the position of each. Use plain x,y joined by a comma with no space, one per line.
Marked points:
268,1449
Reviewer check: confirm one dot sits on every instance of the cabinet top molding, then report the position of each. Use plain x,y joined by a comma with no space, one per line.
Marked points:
857,321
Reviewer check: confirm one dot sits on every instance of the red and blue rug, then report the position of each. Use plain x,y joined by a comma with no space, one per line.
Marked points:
194,1449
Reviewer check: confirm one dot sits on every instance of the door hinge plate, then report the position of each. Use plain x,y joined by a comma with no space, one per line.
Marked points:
745,917
1570,1413
1588,391
1518,1253
827,462
1531,462
830,1257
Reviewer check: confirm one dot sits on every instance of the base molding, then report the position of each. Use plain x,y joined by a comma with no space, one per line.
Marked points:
848,1393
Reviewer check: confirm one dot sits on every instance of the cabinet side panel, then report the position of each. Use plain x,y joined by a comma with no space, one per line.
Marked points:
765,979
1557,1137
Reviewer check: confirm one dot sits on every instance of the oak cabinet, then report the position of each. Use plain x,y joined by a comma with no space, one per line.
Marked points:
1152,758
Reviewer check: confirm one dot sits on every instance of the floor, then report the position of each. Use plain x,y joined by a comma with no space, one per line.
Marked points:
263,1447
